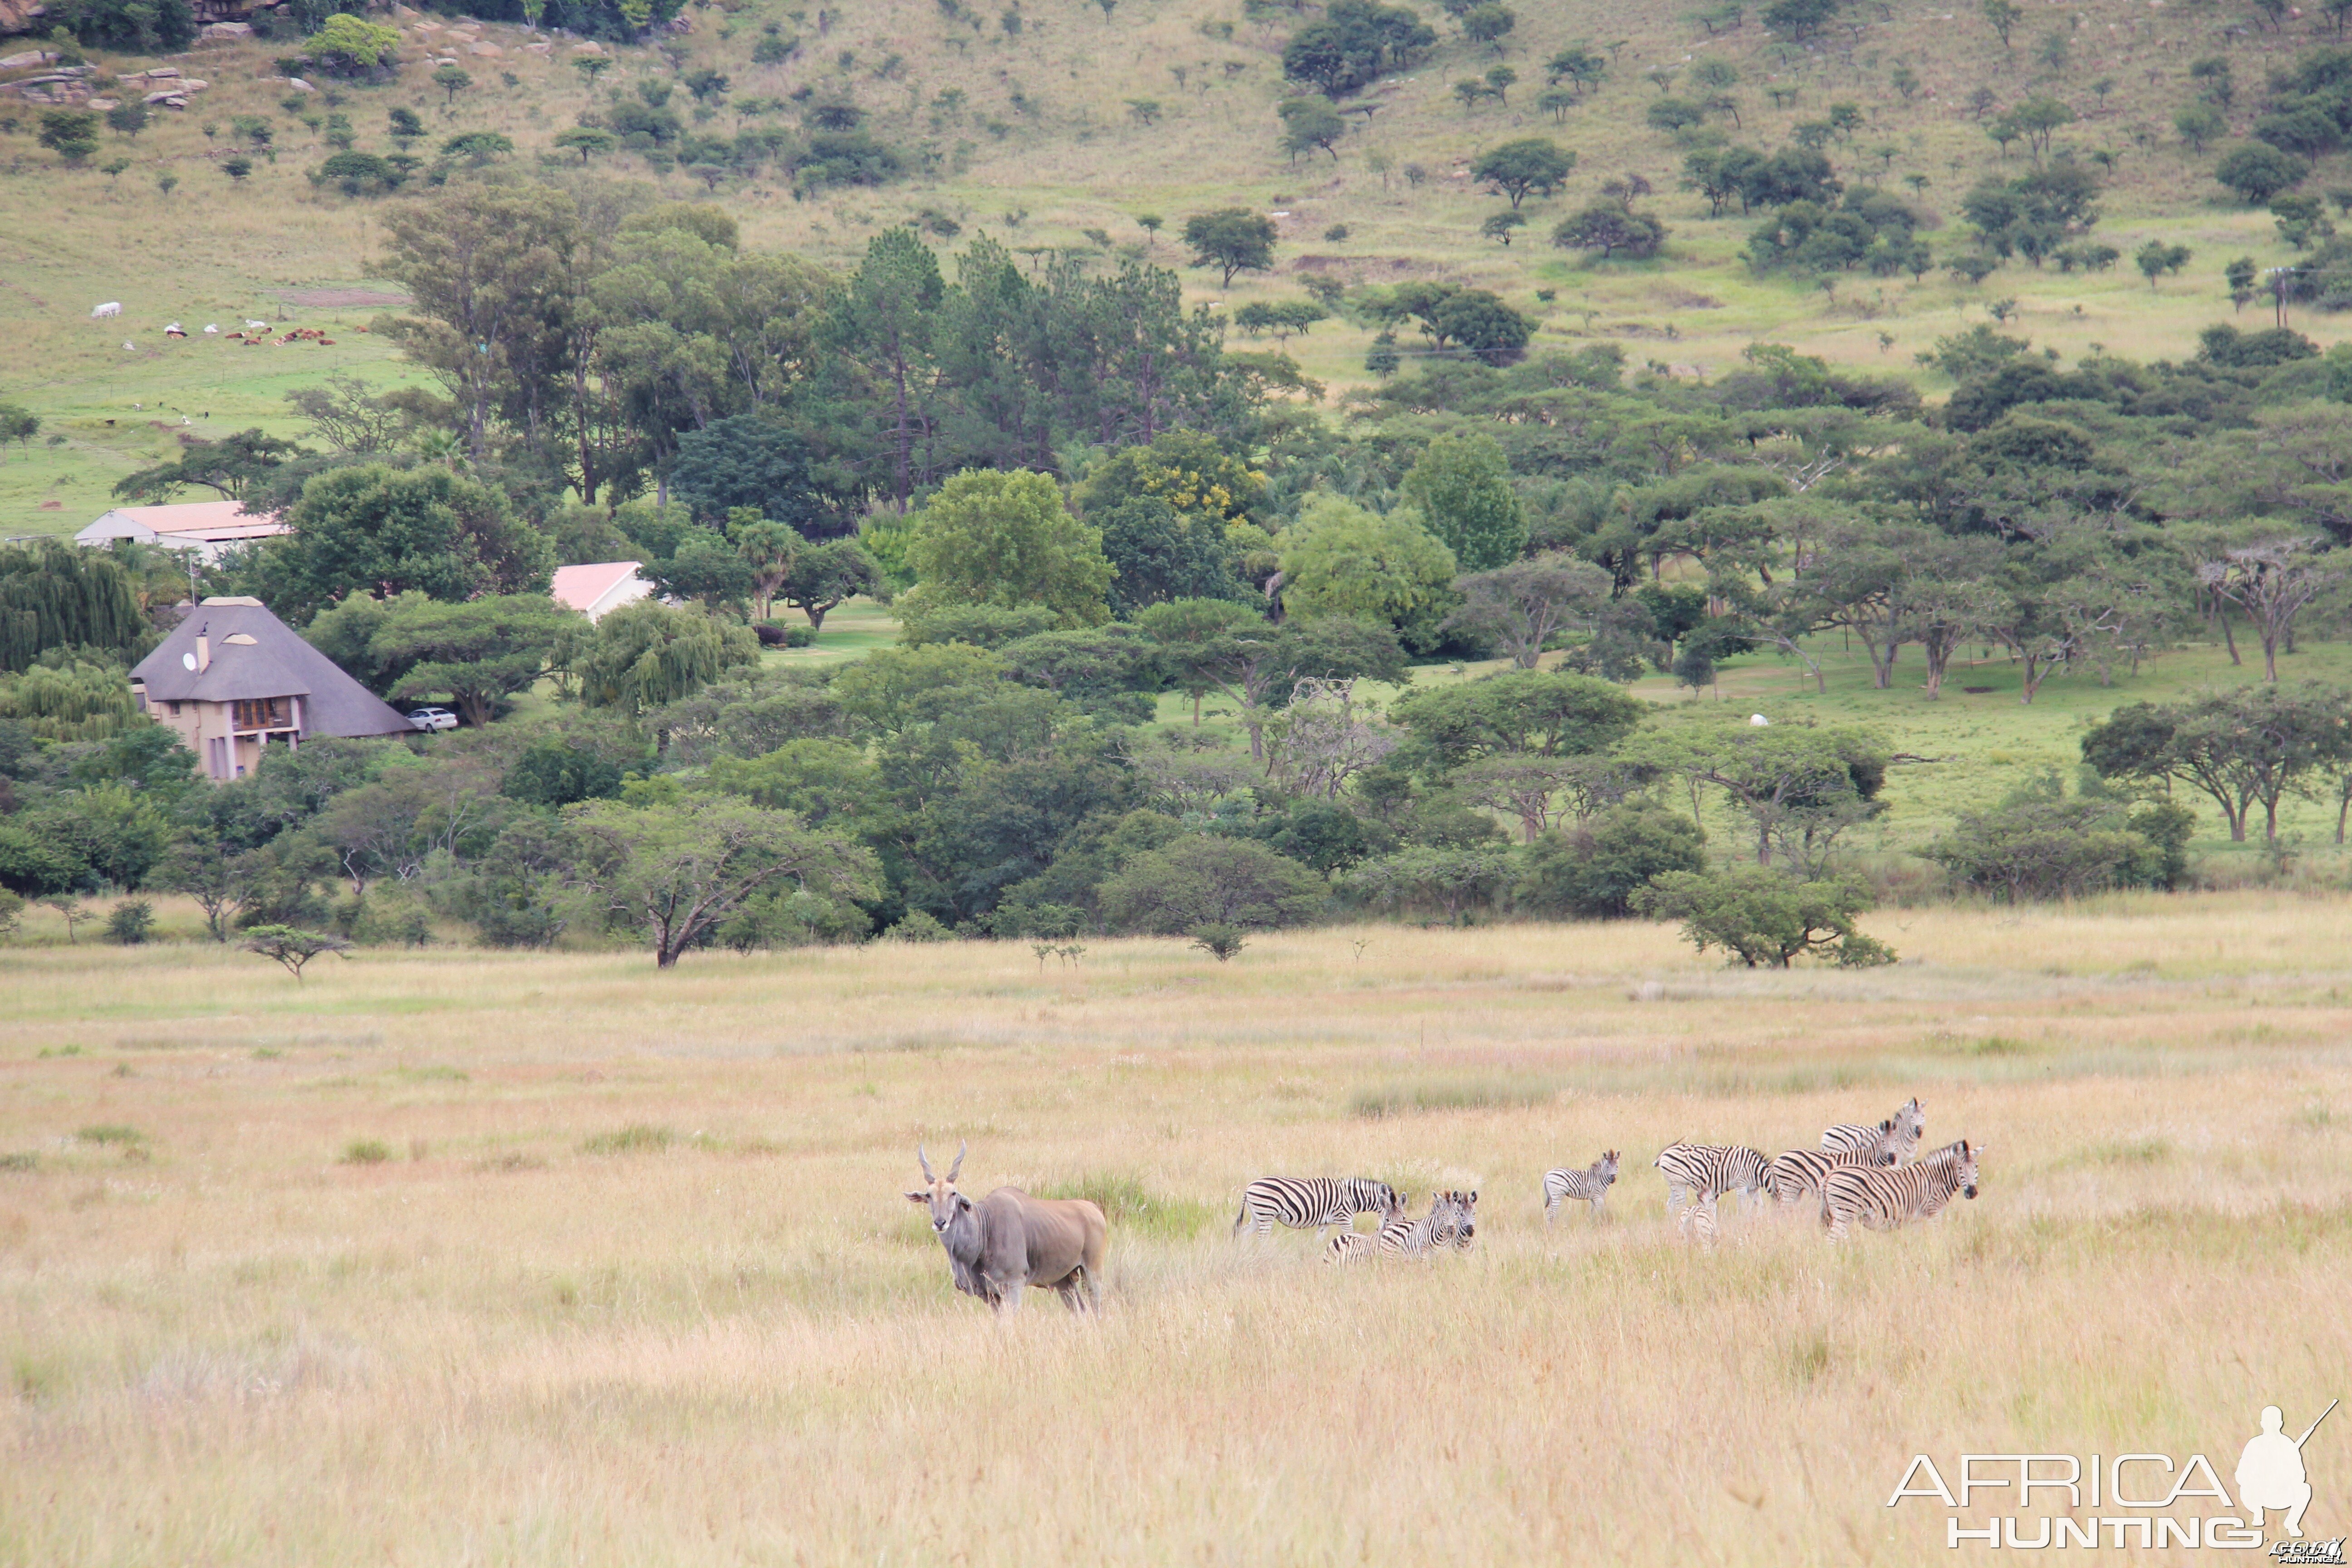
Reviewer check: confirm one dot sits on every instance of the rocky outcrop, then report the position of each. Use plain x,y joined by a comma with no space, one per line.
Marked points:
23,16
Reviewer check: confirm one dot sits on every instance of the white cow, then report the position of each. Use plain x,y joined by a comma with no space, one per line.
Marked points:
112,308
257,326
209,330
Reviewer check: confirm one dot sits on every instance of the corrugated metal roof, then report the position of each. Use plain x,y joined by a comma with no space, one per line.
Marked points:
583,588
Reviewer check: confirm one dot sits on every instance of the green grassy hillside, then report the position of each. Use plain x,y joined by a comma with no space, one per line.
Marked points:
1040,137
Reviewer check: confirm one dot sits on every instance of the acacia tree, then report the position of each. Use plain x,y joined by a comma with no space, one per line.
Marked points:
2273,582
1234,240
1799,785
1533,166
1519,608
2246,747
476,654
673,873
1213,645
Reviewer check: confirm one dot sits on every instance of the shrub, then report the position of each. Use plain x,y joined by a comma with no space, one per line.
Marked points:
915,925
2258,171
1593,870
366,1152
1200,881
132,922
1764,917
2040,843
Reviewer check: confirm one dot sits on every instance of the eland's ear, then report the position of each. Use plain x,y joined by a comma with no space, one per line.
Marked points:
918,1197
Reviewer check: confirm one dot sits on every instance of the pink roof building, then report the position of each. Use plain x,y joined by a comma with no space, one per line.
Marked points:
596,590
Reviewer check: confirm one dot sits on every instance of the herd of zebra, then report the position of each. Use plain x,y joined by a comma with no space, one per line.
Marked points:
1868,1176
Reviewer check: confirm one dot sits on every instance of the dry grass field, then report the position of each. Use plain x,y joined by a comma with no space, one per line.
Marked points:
452,1256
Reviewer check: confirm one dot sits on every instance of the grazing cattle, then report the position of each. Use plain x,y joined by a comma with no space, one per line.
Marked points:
1009,1239
175,331
257,326
210,330
101,312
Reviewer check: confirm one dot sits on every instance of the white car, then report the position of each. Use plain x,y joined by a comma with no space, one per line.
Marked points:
432,718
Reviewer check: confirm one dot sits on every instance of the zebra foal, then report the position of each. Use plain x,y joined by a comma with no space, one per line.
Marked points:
1898,1137
1880,1198
1400,1236
1589,1185
1309,1203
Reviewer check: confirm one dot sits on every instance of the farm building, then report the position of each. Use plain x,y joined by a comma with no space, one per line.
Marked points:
207,527
233,678
597,589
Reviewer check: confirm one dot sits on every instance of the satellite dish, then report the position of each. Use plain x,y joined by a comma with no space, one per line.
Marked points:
187,662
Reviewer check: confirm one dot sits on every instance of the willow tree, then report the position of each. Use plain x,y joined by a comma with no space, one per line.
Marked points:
53,594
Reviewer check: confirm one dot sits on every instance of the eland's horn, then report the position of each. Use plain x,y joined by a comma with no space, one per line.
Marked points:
961,1148
924,1159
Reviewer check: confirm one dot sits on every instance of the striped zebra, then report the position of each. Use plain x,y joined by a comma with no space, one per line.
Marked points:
1882,1199
1465,1229
1798,1174
1589,1185
1310,1203
1698,1174
1898,1135
1400,1236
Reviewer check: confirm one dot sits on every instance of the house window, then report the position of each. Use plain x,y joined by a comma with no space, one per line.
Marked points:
258,713
175,710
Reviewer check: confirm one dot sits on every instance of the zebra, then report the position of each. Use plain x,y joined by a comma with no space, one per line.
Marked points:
1698,1173
1312,1202
1898,1135
1465,1229
1400,1237
1883,1199
1798,1174
1589,1185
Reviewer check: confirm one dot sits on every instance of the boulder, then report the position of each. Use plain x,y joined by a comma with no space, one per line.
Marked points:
224,32
102,104
298,84
26,60
542,50
488,51
590,48
168,99
193,86
162,73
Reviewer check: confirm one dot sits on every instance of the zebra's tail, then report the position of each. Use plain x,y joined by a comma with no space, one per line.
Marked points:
1242,1218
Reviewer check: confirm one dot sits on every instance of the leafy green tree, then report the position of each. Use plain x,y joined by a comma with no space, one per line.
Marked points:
1454,879
1594,870
1353,44
2040,843
350,45
1765,918
132,27
129,119
825,576
476,654
1205,880
1489,24
645,655
478,147
375,530
2004,17
673,874
1233,240
71,133
1158,553
2257,172
1462,487
885,319
1338,559
1521,606
1499,226
1214,645
1308,123
452,81
587,140
404,125
2244,747
769,551
2199,123
1799,786
1611,230
1532,165
1517,713
994,537
290,948
746,460
2155,259
18,424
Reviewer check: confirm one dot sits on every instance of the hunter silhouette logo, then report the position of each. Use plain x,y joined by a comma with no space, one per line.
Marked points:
2128,1498
2269,1472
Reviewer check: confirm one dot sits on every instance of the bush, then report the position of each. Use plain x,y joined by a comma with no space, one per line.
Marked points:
1201,881
2041,845
638,1138
2258,171
1593,869
774,636
981,626
366,1152
132,922
1764,917
917,926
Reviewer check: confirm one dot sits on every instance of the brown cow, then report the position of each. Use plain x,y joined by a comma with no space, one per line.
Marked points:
1009,1239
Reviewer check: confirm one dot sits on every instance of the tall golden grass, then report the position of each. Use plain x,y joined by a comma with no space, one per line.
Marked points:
635,1282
